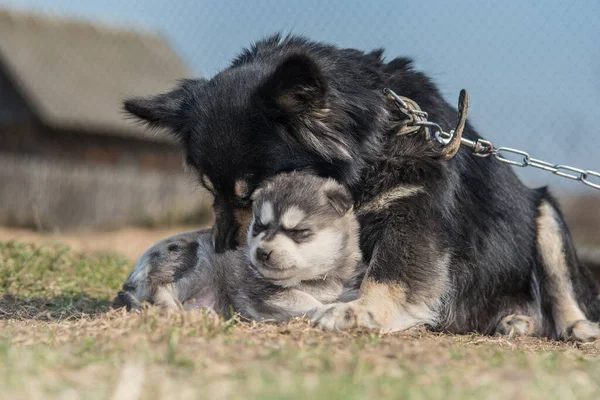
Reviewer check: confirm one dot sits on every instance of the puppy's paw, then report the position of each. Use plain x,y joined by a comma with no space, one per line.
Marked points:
126,300
516,325
342,316
582,331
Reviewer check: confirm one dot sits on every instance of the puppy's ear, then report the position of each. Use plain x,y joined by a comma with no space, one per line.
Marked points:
163,110
296,87
339,198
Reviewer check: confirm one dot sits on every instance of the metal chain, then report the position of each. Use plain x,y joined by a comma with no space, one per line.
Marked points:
557,169
484,148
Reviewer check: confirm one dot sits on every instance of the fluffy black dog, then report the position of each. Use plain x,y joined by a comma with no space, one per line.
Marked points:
459,245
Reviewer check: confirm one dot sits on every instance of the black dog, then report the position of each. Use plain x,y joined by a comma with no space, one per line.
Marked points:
459,245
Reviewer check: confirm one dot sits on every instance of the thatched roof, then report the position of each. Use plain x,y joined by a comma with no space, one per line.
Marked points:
74,74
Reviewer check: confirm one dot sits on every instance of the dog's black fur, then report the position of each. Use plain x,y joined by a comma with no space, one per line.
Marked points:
465,246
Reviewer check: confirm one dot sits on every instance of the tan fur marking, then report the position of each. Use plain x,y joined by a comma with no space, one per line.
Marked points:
385,199
241,189
389,306
565,309
385,299
380,305
242,216
207,183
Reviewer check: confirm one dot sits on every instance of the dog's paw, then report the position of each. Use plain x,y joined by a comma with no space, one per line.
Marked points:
582,331
342,316
516,325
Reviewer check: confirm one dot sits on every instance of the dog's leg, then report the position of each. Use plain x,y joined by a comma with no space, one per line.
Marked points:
395,295
569,319
380,306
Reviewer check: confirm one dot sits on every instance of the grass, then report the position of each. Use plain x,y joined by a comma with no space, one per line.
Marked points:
59,339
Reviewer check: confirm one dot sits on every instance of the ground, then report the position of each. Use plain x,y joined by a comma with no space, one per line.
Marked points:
59,339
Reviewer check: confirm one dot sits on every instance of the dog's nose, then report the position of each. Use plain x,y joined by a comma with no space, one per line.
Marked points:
262,254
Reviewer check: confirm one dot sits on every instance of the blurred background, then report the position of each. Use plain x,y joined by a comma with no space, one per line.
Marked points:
73,167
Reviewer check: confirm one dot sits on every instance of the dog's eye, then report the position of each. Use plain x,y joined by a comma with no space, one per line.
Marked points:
298,235
258,228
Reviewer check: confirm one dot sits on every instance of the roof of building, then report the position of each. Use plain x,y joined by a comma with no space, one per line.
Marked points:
74,74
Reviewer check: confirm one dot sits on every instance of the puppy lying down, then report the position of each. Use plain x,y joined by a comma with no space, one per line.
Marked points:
302,253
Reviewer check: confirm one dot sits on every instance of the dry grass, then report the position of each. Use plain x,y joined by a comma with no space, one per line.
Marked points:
59,340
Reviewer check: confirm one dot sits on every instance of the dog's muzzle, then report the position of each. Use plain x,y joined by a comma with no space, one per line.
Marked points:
225,232
231,225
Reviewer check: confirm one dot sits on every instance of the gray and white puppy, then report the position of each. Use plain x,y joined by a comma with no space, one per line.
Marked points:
302,253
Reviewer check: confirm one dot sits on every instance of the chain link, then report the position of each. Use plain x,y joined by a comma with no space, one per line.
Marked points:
565,171
484,148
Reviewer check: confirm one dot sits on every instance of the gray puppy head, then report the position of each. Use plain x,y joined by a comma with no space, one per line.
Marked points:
158,268
302,228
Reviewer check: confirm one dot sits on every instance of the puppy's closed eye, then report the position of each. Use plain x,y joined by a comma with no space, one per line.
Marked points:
298,235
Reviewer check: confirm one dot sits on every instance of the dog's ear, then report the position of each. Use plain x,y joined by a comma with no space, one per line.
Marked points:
338,197
163,110
296,87
296,94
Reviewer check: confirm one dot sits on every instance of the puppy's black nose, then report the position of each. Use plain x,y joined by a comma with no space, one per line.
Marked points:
262,254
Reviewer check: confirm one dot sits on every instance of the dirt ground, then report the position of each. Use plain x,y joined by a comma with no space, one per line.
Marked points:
194,356
59,339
